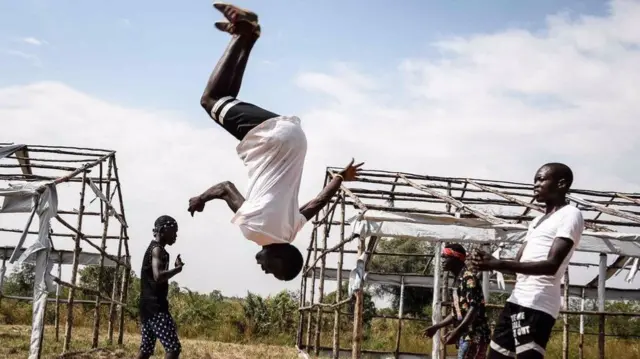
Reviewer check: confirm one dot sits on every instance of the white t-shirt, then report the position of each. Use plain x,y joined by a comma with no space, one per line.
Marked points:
543,292
274,153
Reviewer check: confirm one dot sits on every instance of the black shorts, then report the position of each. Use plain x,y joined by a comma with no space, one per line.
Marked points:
522,331
238,117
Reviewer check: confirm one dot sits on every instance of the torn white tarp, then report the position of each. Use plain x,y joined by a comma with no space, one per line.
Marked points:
9,150
385,224
499,276
62,257
633,271
44,202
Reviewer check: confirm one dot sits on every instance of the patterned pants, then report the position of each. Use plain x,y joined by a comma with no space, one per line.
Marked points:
161,326
472,350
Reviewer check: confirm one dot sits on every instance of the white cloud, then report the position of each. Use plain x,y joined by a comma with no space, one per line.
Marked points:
31,58
33,41
500,104
494,105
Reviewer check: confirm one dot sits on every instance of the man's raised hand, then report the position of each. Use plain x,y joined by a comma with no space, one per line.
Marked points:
351,172
196,204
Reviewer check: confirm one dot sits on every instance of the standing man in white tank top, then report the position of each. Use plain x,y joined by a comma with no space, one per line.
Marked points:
525,324
272,147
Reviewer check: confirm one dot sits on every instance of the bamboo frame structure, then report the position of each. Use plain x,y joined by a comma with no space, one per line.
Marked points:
494,202
78,171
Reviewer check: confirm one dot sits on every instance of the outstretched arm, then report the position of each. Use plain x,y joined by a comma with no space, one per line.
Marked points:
159,274
226,191
558,252
349,173
431,331
567,234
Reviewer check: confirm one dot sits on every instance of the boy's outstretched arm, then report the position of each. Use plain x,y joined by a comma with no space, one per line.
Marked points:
349,173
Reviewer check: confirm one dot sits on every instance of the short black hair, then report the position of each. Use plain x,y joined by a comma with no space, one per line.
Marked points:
456,247
294,263
561,171
164,221
291,257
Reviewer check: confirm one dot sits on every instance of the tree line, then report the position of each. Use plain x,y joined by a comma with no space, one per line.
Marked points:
274,319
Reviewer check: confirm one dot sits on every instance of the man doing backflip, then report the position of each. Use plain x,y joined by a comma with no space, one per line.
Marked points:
272,147
527,319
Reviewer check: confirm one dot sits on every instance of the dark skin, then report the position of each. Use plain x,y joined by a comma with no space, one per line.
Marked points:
166,237
552,192
228,192
455,266
225,81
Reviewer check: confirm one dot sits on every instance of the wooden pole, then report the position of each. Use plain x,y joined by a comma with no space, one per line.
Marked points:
114,290
74,268
58,293
435,306
3,269
445,298
303,298
581,343
319,312
601,304
358,311
336,314
103,247
400,312
126,273
314,236
124,291
565,329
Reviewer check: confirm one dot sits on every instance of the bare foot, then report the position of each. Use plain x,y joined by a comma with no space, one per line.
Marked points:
236,14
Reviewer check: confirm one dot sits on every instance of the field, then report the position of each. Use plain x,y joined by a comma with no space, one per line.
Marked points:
15,345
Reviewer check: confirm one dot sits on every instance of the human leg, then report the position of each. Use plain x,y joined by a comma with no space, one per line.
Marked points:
502,344
463,348
532,330
219,97
147,340
167,333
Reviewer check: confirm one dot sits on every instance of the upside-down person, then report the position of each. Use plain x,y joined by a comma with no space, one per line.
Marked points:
471,332
529,315
272,147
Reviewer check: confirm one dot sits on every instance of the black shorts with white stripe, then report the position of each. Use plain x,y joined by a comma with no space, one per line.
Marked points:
238,117
521,331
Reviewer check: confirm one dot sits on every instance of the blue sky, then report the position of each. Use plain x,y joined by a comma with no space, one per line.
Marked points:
129,74
158,54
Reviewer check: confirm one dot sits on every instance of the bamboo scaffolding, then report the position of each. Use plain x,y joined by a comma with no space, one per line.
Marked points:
124,291
59,162
103,251
74,269
336,315
497,202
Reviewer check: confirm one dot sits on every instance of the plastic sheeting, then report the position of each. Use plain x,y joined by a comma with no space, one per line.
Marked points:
43,201
384,224
62,257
